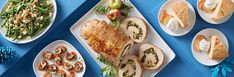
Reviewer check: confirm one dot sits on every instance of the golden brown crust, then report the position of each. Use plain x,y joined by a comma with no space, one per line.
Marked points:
181,10
224,8
218,49
197,41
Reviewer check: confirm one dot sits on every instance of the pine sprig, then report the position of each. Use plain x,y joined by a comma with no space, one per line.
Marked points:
6,54
223,67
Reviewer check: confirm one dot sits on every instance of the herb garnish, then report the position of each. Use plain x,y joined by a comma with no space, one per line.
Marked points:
109,69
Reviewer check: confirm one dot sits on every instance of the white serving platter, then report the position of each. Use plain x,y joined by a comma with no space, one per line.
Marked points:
202,57
51,47
152,37
191,21
207,16
37,35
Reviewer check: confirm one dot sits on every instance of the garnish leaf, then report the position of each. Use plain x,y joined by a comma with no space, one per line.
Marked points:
227,67
216,71
224,73
109,69
101,10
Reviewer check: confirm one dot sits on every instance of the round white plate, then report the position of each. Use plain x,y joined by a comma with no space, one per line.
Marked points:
202,57
37,35
51,47
207,16
191,21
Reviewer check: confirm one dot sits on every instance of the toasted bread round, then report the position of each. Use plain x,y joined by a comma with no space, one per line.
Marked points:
150,56
130,67
135,28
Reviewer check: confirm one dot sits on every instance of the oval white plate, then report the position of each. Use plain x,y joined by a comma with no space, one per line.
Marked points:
51,47
37,35
207,16
191,21
202,57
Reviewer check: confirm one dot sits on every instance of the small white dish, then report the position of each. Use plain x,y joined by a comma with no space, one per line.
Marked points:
207,16
51,47
202,57
191,20
37,35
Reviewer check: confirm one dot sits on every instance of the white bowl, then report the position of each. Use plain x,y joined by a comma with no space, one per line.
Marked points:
191,21
202,57
37,35
207,16
51,47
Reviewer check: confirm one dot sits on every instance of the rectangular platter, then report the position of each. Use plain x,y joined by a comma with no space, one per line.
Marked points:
152,37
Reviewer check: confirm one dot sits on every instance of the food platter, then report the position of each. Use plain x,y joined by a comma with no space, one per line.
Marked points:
153,37
51,47
34,36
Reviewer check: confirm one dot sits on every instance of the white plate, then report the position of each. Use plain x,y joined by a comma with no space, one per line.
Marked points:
202,57
51,47
152,38
207,16
191,21
37,35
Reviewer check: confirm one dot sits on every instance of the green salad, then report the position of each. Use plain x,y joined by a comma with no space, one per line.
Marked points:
24,18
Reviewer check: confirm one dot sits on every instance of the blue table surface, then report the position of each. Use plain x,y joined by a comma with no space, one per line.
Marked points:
184,65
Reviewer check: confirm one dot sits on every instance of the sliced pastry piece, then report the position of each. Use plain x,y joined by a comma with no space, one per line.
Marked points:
151,57
224,8
48,55
196,43
180,12
88,28
61,73
136,28
130,67
60,50
42,65
218,49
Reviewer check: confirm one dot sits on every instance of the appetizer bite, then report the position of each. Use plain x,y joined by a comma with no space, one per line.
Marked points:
130,67
109,41
135,28
60,50
47,74
61,73
58,60
43,65
72,74
23,19
176,17
68,66
48,55
53,68
217,8
71,56
151,57
78,66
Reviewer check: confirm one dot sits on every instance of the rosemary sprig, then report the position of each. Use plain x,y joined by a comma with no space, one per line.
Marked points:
101,10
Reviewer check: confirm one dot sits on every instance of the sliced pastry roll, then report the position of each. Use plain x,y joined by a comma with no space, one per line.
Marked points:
135,28
151,57
130,67
113,39
217,49
224,8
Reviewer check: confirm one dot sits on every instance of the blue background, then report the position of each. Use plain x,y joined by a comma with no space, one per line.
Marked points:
69,11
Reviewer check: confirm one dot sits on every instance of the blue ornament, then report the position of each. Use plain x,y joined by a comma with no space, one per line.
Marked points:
6,54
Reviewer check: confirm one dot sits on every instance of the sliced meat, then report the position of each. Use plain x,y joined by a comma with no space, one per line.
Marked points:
88,28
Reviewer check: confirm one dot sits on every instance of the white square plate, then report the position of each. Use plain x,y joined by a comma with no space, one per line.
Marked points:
152,38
